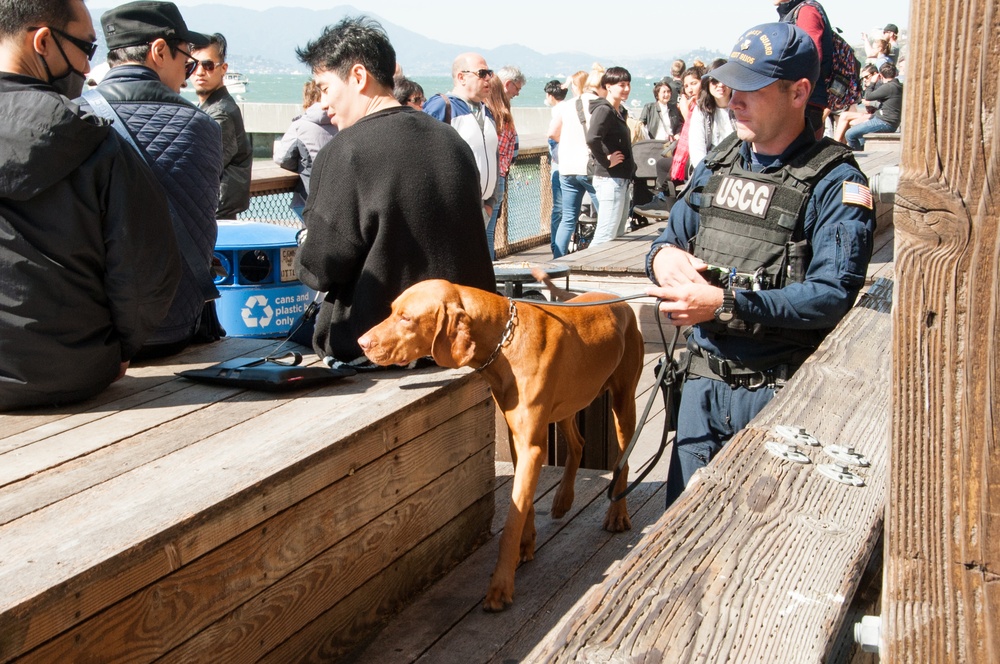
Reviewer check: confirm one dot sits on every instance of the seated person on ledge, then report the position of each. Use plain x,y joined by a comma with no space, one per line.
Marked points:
393,200
889,97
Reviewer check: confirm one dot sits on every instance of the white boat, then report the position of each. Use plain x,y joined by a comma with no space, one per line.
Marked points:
236,82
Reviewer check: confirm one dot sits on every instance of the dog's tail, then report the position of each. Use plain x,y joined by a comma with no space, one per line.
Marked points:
557,294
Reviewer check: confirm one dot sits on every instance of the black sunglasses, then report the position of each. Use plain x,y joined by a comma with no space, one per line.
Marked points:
481,73
89,48
416,100
191,63
207,65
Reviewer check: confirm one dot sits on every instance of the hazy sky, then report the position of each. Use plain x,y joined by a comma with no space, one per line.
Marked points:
630,28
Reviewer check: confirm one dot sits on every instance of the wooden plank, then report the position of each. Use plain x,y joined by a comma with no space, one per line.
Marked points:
146,625
315,589
547,579
331,636
757,559
460,594
942,572
646,505
138,530
135,389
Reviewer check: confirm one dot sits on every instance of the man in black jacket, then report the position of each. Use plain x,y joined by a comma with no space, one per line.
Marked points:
149,53
208,80
88,262
393,200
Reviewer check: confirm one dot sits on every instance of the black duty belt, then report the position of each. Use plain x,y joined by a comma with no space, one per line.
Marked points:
711,366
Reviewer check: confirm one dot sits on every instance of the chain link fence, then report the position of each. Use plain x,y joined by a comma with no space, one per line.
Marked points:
524,220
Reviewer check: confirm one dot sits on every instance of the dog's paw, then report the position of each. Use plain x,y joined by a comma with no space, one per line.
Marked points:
527,545
617,520
498,599
562,503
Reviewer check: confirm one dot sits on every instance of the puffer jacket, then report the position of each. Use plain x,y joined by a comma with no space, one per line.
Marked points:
185,147
300,144
88,261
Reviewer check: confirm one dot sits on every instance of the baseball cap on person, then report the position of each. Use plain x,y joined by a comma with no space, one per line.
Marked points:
767,53
891,27
138,23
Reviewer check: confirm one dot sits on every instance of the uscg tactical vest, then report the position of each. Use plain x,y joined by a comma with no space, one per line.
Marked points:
752,225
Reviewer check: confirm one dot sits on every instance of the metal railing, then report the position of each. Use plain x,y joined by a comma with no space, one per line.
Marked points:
524,220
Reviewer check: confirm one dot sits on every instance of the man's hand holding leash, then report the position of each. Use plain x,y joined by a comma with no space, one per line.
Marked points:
686,297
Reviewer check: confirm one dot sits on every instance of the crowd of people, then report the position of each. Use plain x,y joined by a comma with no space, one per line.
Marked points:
108,216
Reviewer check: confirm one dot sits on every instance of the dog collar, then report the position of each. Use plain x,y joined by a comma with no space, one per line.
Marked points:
508,333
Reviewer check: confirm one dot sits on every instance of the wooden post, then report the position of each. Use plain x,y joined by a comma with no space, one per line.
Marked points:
941,598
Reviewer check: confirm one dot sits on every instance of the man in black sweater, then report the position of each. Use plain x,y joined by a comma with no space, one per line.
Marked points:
394,198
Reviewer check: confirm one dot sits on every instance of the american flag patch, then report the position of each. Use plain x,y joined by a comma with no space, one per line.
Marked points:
857,194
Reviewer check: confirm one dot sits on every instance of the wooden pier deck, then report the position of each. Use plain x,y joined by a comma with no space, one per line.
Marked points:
575,557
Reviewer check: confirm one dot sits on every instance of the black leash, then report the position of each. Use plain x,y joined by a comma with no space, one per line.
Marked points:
669,375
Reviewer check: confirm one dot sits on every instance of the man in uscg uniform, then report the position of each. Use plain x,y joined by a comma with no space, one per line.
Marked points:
766,251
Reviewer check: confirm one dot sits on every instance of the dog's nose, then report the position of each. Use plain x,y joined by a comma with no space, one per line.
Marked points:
365,341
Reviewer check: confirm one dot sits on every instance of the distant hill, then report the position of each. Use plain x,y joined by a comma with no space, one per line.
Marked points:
265,42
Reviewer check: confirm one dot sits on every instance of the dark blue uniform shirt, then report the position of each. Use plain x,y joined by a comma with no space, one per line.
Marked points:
840,235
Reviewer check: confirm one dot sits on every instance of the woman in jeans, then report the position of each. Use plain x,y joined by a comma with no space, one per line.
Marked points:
571,133
608,138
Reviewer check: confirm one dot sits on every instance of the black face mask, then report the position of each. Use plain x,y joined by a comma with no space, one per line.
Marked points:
69,84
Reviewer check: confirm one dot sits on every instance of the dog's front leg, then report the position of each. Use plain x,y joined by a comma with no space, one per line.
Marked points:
517,542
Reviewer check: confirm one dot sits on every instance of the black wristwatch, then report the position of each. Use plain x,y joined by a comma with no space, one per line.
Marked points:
727,311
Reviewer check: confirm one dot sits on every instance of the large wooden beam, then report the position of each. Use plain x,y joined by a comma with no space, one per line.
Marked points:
942,571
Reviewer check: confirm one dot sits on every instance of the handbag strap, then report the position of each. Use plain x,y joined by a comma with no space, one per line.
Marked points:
188,248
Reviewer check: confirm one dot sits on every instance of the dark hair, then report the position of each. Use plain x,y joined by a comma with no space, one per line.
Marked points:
706,100
658,86
888,70
556,89
692,71
405,89
614,75
16,15
218,41
869,69
128,54
352,41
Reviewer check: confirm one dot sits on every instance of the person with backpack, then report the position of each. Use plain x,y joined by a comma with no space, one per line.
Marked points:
839,67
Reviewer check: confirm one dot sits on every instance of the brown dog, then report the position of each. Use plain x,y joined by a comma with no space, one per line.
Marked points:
544,364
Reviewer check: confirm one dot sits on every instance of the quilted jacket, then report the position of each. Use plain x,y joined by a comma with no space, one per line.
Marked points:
185,149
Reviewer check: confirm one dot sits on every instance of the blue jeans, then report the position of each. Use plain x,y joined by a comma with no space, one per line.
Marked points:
491,225
612,213
572,187
556,216
711,412
855,135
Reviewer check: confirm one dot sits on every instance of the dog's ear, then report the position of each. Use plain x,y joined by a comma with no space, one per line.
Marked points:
453,345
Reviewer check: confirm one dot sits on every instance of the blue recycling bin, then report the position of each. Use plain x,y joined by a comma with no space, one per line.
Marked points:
261,295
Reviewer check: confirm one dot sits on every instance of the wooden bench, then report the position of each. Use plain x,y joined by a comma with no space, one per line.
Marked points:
177,521
760,557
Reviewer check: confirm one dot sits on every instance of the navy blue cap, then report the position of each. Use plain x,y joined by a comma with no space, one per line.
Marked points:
768,53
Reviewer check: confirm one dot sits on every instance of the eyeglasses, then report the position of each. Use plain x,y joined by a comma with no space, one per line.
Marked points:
89,48
190,65
207,65
416,100
712,81
481,73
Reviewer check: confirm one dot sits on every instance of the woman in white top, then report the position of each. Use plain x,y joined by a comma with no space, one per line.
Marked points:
710,121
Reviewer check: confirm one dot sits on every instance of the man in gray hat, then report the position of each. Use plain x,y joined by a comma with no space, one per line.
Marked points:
149,50
766,251
88,262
